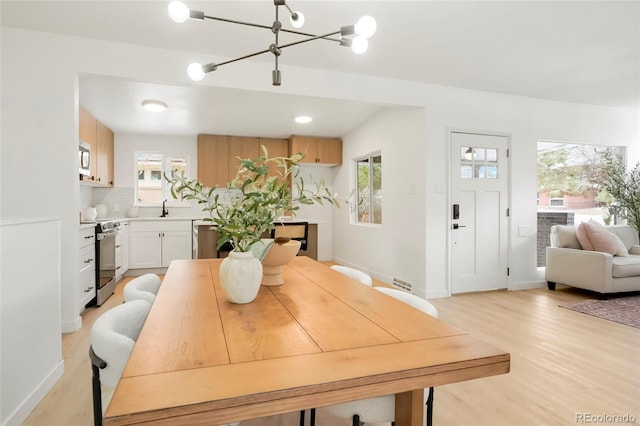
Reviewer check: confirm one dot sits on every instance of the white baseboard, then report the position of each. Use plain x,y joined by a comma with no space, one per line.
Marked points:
528,285
33,399
72,326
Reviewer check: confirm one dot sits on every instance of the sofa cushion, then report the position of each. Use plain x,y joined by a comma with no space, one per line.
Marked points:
599,237
621,250
627,266
627,234
564,236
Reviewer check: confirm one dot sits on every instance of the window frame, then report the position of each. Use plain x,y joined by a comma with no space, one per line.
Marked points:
165,188
354,217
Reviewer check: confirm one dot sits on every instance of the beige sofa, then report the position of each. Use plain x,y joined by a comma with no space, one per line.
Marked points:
567,263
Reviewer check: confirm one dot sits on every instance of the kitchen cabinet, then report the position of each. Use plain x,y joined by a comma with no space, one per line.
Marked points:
87,266
218,155
317,150
213,160
101,140
104,155
155,243
124,236
275,148
87,130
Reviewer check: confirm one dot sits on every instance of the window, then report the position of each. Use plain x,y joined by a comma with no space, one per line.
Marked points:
478,163
151,187
369,189
569,191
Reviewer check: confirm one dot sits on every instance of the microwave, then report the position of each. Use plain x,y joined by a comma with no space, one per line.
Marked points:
85,158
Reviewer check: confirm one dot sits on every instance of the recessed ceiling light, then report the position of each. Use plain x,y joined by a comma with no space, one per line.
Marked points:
153,105
303,119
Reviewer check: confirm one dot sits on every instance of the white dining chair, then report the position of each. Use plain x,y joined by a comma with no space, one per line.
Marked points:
353,273
113,336
144,287
382,409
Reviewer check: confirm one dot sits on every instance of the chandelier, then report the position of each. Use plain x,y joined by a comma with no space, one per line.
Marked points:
354,36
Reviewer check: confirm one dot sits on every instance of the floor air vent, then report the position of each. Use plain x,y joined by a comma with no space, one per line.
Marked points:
401,284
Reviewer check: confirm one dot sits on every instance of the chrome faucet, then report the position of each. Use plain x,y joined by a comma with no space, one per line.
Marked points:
165,212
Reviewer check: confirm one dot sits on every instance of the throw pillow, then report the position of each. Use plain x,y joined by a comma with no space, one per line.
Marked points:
621,250
600,238
583,237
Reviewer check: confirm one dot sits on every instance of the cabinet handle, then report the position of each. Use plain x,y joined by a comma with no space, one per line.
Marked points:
88,237
88,289
118,246
88,261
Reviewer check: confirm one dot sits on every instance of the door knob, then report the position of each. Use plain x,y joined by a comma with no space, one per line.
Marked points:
456,226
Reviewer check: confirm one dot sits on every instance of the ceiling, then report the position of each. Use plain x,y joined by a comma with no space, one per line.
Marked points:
575,51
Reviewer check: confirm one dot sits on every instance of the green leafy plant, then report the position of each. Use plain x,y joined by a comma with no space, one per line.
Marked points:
623,187
254,200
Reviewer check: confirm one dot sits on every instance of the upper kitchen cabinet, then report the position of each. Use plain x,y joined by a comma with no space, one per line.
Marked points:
88,135
101,140
218,155
213,160
317,150
104,155
241,147
275,148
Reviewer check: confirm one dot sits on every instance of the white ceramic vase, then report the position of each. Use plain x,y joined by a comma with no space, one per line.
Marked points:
240,276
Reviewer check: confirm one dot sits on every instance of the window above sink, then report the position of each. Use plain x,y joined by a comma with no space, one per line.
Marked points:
150,186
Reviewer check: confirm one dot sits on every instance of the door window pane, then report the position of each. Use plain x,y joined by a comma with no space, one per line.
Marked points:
478,163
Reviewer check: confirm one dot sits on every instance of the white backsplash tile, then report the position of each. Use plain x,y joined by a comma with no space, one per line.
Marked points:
119,199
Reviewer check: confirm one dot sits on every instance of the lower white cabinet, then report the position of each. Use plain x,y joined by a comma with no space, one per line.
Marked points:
124,236
87,266
155,243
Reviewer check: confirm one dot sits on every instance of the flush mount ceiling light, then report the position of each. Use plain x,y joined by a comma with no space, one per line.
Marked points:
303,119
153,105
354,36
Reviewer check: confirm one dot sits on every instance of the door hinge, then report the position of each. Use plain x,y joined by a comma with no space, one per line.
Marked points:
508,271
508,211
507,153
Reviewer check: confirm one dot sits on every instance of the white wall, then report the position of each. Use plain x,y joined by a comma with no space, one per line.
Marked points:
40,136
397,247
30,345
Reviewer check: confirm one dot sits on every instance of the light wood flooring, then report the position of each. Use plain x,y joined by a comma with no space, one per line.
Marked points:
563,365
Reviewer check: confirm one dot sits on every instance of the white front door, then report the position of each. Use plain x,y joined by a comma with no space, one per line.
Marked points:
479,212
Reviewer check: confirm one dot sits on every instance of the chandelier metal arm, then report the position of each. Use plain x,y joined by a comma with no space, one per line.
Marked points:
313,37
250,24
250,55
233,21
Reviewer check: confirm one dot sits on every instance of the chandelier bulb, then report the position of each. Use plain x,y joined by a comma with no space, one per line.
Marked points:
195,71
178,11
296,19
359,45
366,26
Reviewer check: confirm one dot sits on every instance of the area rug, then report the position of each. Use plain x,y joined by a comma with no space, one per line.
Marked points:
624,310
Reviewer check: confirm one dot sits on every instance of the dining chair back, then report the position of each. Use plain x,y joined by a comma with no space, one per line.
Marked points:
382,408
113,336
353,273
144,287
294,230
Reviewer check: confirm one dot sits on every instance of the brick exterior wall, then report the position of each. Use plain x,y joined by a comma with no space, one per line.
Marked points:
545,221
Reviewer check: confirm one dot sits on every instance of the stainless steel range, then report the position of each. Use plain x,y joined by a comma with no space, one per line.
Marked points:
107,248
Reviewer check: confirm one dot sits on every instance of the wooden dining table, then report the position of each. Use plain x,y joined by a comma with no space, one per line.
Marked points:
321,338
